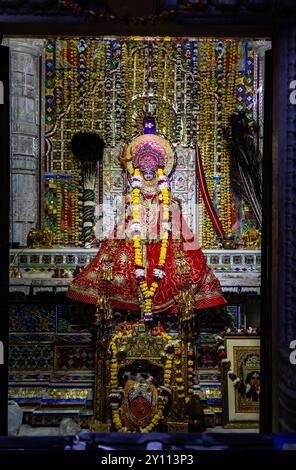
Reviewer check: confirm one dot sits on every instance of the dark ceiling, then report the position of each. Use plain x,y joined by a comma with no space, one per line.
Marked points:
142,17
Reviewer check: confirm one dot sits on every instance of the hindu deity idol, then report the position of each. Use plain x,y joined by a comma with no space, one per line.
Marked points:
139,403
152,263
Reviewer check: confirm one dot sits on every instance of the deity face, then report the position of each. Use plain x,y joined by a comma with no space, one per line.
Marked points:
148,175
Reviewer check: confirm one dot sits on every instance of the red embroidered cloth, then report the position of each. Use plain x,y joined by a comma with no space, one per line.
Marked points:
183,252
123,289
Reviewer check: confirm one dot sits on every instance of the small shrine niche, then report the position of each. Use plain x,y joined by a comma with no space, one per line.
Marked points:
140,343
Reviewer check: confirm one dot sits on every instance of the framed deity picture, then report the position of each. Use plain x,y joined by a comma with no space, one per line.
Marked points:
241,402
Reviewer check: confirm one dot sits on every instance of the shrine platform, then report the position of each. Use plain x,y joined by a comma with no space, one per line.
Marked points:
35,269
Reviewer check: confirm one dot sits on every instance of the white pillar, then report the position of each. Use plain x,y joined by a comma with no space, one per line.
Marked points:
24,121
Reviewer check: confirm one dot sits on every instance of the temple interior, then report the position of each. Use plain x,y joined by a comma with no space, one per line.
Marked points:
76,362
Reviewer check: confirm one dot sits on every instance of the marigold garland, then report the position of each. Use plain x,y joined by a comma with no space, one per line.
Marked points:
159,272
190,371
179,379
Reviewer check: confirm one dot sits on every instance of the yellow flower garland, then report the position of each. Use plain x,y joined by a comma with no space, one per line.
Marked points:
149,292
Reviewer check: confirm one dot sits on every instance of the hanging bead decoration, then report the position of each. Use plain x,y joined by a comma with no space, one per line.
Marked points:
178,94
219,171
206,130
187,94
168,91
101,102
74,193
160,89
50,202
230,65
193,92
107,85
138,102
58,235
121,91
89,121
108,94
50,114
128,88
80,208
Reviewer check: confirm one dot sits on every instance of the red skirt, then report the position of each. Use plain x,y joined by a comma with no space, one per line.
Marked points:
123,289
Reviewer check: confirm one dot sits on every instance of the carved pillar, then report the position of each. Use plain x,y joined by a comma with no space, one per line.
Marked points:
26,135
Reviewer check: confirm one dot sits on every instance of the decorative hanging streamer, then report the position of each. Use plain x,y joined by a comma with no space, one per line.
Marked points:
87,148
88,216
206,197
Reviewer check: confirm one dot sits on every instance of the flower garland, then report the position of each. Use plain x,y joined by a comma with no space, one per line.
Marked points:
128,78
74,205
168,92
50,108
66,190
57,236
50,208
218,73
206,132
191,85
183,386
190,364
139,83
230,67
178,95
160,89
115,395
225,362
179,379
159,272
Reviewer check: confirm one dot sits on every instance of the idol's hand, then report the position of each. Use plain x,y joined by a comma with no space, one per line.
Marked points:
123,158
